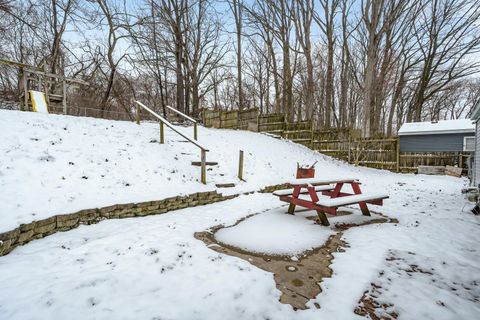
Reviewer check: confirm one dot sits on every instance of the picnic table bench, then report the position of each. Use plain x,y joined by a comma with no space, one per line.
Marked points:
334,196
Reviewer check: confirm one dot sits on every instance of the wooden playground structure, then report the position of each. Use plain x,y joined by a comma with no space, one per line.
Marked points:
55,87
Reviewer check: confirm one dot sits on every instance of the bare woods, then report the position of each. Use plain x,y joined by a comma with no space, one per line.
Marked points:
367,64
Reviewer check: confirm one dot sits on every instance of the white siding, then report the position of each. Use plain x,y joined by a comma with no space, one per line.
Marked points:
476,163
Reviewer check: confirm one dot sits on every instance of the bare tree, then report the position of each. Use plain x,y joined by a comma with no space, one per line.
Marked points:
447,35
236,7
172,13
303,12
204,51
112,18
327,25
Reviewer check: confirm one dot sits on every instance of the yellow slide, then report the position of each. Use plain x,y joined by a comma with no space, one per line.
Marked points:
39,103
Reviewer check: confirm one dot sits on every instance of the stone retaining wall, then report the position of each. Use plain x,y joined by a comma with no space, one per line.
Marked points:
38,229
270,189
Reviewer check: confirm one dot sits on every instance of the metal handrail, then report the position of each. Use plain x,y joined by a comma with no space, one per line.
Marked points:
182,114
168,124
163,122
188,118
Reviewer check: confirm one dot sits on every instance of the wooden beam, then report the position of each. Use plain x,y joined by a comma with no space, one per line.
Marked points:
39,71
207,163
16,64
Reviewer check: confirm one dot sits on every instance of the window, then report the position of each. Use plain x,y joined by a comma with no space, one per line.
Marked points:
468,143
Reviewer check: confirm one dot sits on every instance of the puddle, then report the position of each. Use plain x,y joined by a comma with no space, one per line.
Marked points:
299,278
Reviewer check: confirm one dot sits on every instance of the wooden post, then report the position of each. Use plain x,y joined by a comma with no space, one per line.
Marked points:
310,145
203,173
25,91
40,83
398,154
162,140
349,149
195,131
323,218
460,161
64,91
291,208
137,114
240,166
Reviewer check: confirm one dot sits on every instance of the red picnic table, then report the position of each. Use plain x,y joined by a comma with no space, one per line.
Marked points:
333,196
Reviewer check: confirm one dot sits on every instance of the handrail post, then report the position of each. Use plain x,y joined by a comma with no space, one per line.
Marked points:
195,131
162,140
240,166
203,175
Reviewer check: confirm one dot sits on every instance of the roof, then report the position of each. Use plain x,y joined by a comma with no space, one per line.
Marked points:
441,127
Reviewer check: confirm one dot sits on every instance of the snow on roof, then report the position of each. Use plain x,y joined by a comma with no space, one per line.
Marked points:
441,127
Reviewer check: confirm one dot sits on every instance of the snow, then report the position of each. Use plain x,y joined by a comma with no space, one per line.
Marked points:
153,268
287,192
275,233
149,268
440,127
52,164
324,180
341,201
429,276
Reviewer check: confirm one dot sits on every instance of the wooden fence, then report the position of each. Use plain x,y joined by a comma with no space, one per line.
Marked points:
409,161
345,144
384,153
233,119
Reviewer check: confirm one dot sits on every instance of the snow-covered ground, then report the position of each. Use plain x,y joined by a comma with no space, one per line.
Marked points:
275,232
52,164
153,267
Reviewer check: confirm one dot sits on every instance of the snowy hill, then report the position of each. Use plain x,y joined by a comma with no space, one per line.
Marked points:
53,164
154,267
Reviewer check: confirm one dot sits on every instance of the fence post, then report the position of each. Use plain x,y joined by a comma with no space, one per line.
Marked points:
349,149
398,154
161,133
195,131
240,166
310,145
137,114
203,173
64,98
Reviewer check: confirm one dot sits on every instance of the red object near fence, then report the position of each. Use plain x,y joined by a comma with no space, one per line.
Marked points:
304,173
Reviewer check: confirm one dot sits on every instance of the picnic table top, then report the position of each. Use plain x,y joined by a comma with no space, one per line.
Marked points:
318,181
289,192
